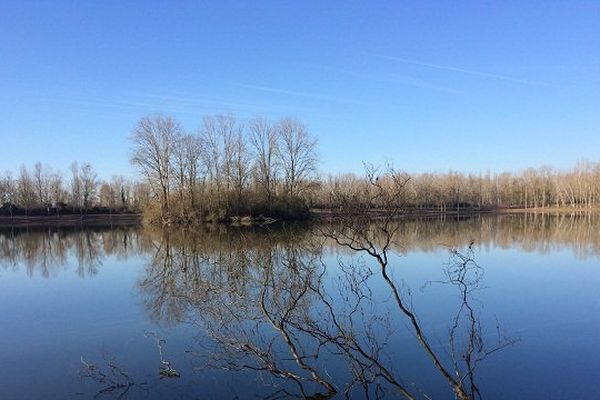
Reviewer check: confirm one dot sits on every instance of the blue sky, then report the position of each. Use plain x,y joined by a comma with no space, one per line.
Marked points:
432,86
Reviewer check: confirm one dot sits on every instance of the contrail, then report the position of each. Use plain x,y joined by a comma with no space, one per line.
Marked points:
317,96
457,69
394,79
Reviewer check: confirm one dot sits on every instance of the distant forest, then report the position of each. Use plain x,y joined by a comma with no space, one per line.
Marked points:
230,169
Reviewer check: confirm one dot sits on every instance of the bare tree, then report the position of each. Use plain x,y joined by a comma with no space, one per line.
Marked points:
358,236
58,194
119,190
153,140
227,130
224,159
240,173
263,140
8,192
193,147
212,153
297,154
76,191
26,190
186,159
42,186
179,173
89,185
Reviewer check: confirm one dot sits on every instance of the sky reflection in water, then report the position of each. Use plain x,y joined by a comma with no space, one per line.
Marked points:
68,294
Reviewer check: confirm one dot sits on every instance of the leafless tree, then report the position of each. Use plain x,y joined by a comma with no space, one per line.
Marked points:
76,190
240,171
153,140
297,154
179,169
376,241
186,165
212,153
263,140
467,347
535,189
269,306
229,170
195,173
8,192
89,185
58,195
26,190
41,180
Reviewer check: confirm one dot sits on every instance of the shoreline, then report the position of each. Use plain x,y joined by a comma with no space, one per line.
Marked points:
315,215
71,220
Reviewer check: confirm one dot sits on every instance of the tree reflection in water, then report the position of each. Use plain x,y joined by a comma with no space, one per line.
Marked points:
271,303
48,250
273,300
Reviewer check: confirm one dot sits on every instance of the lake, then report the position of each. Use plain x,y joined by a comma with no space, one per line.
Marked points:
493,307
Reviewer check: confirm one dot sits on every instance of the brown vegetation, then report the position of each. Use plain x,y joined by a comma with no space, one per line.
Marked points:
229,170
533,189
226,169
43,192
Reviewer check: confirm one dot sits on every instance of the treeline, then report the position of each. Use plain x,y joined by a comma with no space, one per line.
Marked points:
226,168
43,191
542,188
230,169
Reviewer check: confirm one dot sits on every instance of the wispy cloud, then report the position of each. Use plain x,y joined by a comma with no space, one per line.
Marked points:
317,96
228,103
393,79
481,74
170,102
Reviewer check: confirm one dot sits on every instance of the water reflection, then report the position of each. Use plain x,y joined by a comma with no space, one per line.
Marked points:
44,251
309,318
270,303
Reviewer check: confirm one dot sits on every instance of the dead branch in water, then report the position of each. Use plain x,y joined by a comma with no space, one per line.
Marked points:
115,380
165,369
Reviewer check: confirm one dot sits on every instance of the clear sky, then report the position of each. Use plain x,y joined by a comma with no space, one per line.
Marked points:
433,86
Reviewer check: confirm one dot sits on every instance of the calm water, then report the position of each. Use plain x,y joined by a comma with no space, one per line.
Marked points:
249,313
